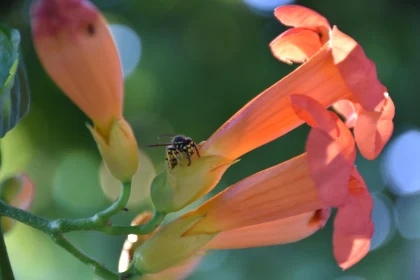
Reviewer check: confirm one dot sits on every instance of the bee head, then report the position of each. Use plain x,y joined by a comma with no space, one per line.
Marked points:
181,139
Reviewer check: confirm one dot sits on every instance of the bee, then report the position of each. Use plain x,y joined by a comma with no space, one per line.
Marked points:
181,147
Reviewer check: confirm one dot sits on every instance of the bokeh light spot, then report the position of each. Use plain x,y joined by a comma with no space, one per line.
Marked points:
401,164
140,188
76,182
129,47
265,7
383,216
408,213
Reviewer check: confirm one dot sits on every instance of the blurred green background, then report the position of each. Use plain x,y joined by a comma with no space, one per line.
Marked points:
189,66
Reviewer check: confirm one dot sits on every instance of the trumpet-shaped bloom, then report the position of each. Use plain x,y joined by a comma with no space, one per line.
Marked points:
335,72
291,201
76,48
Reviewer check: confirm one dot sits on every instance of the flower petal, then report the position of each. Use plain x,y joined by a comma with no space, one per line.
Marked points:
358,72
77,50
314,114
178,272
356,213
281,231
349,249
330,148
329,169
299,16
270,115
353,226
348,110
278,192
374,129
296,45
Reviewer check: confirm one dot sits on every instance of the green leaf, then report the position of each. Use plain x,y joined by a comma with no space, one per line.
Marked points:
14,89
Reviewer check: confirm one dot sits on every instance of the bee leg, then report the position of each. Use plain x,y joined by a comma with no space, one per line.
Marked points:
189,158
196,149
176,156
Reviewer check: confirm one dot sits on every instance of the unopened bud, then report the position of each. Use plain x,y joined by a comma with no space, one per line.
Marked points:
119,149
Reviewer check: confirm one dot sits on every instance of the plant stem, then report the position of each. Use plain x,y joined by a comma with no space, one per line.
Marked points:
27,218
6,272
98,222
146,228
97,268
60,226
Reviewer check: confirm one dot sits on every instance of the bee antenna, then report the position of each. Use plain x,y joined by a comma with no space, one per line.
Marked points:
159,145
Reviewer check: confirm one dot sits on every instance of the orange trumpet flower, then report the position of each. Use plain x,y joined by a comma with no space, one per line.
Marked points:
291,201
284,203
335,68
335,72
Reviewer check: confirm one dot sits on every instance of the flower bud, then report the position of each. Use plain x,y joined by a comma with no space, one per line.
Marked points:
76,48
168,247
119,149
182,185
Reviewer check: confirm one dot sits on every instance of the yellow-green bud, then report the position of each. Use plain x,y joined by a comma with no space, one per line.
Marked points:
174,189
119,149
168,247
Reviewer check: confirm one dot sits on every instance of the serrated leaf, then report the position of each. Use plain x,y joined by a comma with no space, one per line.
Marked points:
14,89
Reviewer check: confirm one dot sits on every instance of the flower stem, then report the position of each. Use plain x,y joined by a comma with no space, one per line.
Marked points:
97,268
139,230
6,272
98,222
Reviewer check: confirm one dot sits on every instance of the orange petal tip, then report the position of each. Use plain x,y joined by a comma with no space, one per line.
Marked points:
300,16
51,16
358,71
374,129
350,249
295,45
